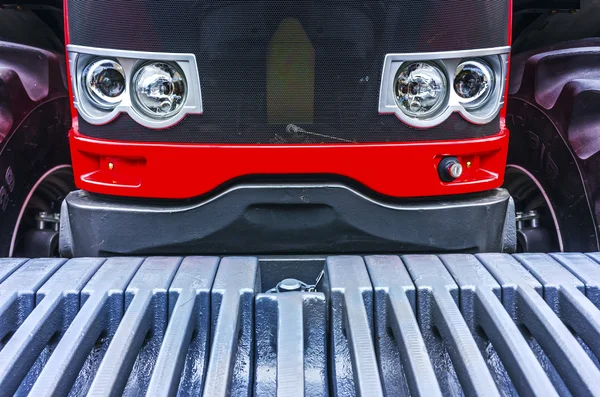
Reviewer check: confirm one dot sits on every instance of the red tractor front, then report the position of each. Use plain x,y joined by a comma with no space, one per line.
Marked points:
300,198
278,126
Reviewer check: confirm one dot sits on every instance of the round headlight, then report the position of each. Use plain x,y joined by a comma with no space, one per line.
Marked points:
160,89
104,82
474,83
420,89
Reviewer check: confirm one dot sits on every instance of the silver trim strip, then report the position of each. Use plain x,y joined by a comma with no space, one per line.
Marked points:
448,62
79,57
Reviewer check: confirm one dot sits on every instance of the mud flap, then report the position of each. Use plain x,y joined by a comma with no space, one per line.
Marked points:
489,324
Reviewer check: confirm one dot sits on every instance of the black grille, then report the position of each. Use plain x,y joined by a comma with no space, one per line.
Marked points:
267,64
193,130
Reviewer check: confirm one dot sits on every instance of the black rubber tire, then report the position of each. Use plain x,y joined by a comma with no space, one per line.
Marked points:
554,120
550,27
34,125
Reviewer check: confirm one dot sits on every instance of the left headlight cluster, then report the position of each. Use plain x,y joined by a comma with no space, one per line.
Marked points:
155,89
424,89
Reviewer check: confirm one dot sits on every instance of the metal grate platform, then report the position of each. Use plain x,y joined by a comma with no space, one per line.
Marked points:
418,325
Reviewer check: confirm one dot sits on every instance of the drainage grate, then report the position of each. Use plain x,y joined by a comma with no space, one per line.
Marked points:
489,324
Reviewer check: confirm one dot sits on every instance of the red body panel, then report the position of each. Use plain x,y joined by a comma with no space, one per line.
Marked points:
185,170
176,171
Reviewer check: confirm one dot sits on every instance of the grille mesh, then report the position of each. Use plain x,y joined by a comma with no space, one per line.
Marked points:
334,52
193,130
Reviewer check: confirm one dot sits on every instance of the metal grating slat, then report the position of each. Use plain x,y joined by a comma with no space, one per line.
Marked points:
8,266
291,344
438,310
354,369
404,362
521,292
181,362
586,269
17,297
418,325
481,306
565,294
144,323
231,354
57,305
102,302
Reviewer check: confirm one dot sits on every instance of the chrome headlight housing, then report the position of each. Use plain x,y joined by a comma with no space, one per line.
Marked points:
160,89
423,90
104,82
157,90
474,82
420,88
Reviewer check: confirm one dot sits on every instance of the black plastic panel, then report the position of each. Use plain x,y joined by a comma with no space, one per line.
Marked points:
266,64
279,219
192,129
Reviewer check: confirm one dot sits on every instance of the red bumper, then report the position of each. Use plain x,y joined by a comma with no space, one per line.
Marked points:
177,171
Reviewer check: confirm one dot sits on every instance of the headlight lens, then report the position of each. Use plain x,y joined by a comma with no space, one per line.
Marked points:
473,83
420,89
104,82
160,89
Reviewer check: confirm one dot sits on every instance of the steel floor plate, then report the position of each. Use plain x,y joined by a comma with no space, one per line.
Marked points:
420,325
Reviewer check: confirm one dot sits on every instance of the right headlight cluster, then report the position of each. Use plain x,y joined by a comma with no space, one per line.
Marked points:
424,89
155,89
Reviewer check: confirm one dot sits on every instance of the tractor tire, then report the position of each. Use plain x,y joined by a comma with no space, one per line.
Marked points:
554,161
554,27
35,120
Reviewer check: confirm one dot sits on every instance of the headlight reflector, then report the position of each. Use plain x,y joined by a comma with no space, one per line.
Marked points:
420,89
160,89
104,82
473,83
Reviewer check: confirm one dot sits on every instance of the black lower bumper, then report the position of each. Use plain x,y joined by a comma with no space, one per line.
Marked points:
290,219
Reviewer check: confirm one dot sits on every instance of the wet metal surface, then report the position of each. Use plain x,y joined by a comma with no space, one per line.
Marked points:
416,325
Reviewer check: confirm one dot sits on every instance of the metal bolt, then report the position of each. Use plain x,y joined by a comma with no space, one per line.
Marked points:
40,220
535,221
518,218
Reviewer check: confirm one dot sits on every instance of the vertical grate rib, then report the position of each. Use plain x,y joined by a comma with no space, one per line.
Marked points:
231,355
102,303
184,351
404,362
8,266
291,344
521,295
586,269
17,297
355,370
145,318
438,298
481,306
565,294
57,305
424,325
